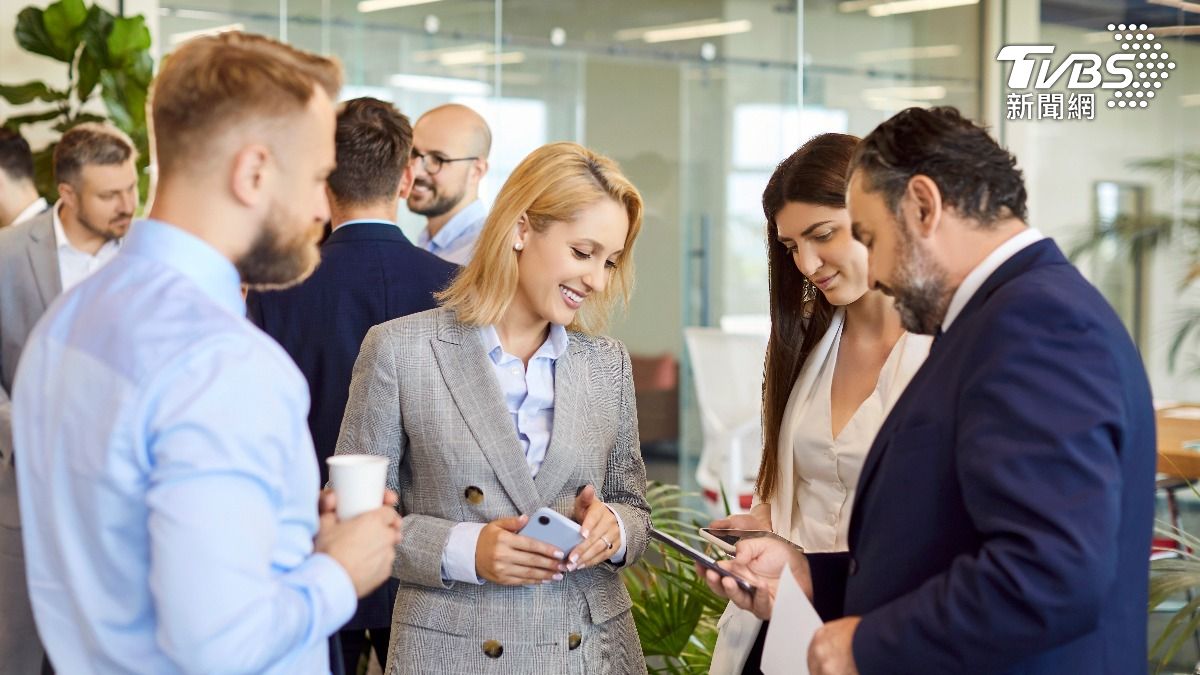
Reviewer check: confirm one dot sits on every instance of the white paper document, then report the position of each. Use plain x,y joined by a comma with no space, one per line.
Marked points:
793,623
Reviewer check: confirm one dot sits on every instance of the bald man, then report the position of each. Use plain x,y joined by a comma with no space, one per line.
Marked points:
450,150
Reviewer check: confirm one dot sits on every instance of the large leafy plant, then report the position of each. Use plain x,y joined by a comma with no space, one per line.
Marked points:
105,55
675,613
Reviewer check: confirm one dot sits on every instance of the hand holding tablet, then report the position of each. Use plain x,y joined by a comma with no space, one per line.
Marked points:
701,559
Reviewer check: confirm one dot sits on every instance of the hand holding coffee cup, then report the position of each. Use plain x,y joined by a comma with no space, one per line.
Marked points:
359,525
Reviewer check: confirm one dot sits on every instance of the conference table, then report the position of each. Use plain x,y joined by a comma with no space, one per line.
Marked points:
1179,424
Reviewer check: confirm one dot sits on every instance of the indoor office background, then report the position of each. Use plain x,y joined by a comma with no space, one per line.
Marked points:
699,99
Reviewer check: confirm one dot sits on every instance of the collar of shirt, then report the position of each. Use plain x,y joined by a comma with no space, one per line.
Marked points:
37,206
365,220
192,257
983,270
554,346
60,235
461,221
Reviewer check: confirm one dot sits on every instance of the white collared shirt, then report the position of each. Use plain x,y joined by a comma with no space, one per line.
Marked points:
37,206
972,282
455,242
74,265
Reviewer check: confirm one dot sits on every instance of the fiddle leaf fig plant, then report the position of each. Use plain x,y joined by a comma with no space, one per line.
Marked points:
106,56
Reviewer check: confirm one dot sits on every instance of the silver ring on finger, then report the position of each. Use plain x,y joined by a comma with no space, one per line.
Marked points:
606,542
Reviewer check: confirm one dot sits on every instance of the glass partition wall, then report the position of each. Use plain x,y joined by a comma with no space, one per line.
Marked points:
699,99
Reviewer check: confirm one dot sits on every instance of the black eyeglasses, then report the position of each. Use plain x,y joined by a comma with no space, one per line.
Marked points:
434,163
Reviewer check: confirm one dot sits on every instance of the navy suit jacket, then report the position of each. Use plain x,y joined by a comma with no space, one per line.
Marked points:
369,273
1003,515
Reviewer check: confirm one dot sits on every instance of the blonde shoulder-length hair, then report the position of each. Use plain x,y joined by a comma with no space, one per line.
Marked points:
552,185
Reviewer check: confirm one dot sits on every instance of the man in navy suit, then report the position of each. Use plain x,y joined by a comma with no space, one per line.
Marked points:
1003,515
369,273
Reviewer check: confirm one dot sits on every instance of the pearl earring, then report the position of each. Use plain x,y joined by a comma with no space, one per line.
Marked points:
518,246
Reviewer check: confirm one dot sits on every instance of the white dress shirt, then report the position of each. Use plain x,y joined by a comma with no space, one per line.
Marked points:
529,398
455,242
74,265
972,282
37,206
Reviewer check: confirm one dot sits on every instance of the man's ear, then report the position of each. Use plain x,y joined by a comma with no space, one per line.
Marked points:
250,167
479,167
924,200
406,181
67,193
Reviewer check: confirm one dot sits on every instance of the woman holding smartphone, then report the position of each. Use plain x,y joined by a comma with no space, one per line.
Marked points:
503,401
837,359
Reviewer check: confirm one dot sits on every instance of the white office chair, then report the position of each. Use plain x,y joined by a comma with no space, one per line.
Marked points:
728,371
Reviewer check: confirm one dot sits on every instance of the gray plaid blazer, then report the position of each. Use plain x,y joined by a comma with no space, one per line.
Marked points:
424,395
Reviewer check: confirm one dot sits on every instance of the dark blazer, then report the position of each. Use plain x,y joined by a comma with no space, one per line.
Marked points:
369,273
1004,512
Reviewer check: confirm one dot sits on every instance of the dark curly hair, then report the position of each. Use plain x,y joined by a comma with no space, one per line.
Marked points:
976,176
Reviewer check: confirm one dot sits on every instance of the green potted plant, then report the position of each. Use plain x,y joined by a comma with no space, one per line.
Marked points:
675,613
105,55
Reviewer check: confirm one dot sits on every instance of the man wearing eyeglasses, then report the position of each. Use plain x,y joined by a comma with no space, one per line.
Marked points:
450,149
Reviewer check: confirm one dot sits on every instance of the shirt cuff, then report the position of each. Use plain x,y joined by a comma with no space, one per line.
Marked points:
458,558
332,590
618,558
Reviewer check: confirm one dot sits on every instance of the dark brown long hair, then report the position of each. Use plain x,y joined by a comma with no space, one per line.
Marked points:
800,314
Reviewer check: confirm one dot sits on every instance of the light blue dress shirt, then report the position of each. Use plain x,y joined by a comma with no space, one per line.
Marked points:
455,242
168,479
529,397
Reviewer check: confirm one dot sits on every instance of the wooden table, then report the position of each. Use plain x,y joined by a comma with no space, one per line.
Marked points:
1176,425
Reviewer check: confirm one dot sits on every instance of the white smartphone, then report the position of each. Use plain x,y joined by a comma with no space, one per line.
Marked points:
727,540
551,527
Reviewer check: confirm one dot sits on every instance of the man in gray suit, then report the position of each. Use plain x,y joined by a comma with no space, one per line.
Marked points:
95,166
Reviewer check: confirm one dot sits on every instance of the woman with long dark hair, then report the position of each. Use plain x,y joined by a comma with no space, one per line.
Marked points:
837,360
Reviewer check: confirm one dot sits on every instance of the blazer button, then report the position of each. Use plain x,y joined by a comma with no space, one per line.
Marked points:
493,649
574,640
853,567
473,495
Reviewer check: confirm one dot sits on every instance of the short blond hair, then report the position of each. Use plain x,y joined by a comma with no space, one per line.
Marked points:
213,84
552,185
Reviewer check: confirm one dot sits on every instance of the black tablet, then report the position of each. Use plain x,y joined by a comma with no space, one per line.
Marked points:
700,557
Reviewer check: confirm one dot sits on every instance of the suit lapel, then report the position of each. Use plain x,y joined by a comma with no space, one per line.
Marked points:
43,259
571,373
468,374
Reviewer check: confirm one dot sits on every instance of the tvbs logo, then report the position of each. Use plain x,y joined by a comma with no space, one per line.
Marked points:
1133,74
1084,69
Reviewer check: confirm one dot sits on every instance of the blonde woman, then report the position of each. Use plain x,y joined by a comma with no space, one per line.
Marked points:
503,401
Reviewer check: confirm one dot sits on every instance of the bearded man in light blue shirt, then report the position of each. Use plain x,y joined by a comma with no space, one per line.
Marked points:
168,482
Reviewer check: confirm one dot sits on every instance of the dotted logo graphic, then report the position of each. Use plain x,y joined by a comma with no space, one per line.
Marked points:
1151,66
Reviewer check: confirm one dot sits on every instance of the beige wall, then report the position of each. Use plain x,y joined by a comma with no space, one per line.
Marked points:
638,125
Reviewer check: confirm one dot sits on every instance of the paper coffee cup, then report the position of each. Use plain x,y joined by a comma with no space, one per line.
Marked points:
358,481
